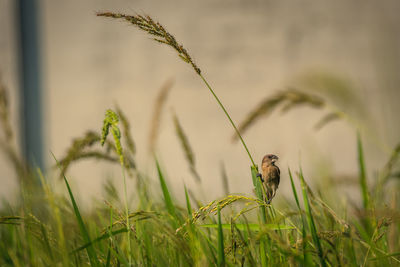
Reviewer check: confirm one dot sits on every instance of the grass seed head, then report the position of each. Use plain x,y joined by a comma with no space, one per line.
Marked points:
158,33
111,121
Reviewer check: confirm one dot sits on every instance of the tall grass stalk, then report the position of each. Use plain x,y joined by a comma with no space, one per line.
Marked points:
161,35
110,123
128,227
363,175
221,253
230,120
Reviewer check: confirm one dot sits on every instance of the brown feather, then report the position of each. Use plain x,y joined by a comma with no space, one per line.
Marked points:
270,175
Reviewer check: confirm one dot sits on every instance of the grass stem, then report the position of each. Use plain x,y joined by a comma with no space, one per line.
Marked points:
229,118
128,228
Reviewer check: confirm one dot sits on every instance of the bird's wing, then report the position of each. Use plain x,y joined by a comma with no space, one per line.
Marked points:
274,174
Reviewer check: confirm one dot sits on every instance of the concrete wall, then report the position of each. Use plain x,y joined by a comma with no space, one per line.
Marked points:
246,49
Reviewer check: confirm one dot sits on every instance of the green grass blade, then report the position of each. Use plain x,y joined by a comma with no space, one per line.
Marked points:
263,216
229,118
82,227
294,190
363,185
306,257
221,252
363,175
208,246
90,251
108,260
310,220
167,196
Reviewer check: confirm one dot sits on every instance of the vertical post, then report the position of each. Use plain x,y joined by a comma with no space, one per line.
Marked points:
30,83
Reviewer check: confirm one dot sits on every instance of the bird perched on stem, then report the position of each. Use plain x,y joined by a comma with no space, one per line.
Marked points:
270,176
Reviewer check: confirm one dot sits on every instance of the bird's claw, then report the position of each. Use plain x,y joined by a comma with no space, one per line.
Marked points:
260,176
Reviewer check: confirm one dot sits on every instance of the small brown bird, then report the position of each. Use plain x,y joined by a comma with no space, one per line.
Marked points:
270,176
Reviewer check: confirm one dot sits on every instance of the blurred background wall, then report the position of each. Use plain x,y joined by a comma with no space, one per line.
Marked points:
247,50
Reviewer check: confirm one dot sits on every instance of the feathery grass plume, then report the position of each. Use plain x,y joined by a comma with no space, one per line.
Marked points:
76,149
341,97
157,113
288,99
189,155
111,121
126,130
147,24
82,148
334,88
332,116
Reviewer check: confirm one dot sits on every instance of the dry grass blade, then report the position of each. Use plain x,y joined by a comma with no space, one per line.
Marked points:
147,24
289,98
189,155
157,113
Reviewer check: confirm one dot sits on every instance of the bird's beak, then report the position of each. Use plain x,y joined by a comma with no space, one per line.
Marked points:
275,159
